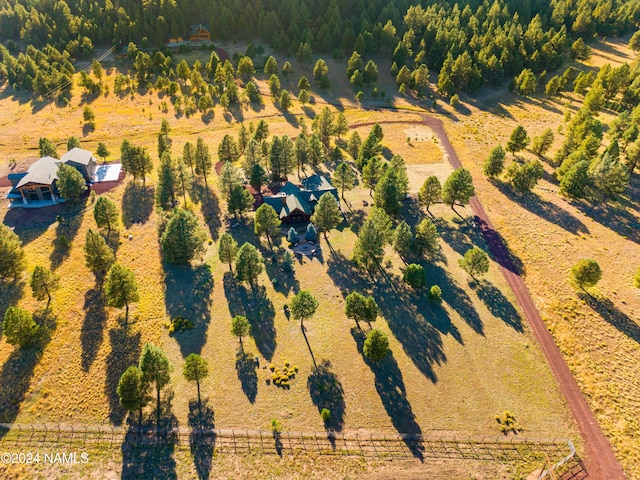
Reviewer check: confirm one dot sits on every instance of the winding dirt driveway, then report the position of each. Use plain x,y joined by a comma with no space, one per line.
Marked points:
600,462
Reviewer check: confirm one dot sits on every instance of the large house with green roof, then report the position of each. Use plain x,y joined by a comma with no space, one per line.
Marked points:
296,203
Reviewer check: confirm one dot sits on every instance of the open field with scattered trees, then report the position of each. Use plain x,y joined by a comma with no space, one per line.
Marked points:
168,300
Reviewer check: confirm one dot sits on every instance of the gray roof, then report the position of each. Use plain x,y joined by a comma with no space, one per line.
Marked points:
78,155
285,204
317,183
43,172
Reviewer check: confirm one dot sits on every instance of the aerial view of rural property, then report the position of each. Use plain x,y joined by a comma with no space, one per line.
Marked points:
320,239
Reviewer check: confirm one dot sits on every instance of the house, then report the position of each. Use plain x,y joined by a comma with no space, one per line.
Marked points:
200,33
295,204
37,186
81,160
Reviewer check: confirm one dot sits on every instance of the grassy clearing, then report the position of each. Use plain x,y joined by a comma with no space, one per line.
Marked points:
599,339
452,368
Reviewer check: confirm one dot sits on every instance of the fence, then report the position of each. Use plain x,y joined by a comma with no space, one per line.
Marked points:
429,445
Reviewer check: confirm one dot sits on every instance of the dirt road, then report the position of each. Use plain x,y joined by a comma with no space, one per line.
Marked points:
600,462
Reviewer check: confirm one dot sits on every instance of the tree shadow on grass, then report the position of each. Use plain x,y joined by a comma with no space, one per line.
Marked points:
455,296
10,292
392,392
621,216
499,305
354,219
420,340
92,332
548,211
259,310
66,231
246,368
137,204
147,451
326,392
609,312
282,281
210,206
125,350
188,295
17,370
202,438
461,236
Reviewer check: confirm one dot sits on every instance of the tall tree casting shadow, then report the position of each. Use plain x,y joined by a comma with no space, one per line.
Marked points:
137,203
609,312
125,350
17,370
147,451
259,310
392,392
92,332
420,340
202,438
66,231
210,206
326,392
188,295
246,368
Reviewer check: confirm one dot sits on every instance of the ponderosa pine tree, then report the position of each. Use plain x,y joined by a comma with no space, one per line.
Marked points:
227,249
12,257
195,369
106,214
121,288
327,215
183,238
156,370
344,178
249,264
97,254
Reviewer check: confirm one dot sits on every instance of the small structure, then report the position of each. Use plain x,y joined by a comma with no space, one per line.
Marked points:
81,160
295,204
200,33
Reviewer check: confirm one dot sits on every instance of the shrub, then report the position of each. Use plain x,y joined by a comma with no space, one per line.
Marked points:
276,426
435,294
326,415
414,276
179,324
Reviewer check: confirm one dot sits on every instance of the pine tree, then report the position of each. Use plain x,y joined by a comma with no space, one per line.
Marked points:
43,283
12,257
266,222
249,264
98,255
202,160
183,238
156,369
195,368
494,164
227,249
344,177
518,140
403,239
327,215
121,288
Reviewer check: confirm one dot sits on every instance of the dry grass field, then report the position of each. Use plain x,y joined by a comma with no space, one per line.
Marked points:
600,339
451,368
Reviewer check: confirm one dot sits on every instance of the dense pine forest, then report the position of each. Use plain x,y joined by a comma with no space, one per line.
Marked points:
469,43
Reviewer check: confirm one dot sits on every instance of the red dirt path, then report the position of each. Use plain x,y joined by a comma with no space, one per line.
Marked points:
600,462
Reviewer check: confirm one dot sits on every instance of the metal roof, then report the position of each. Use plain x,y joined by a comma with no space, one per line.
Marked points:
43,172
78,155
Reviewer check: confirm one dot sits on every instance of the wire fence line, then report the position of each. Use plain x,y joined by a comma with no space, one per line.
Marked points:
378,445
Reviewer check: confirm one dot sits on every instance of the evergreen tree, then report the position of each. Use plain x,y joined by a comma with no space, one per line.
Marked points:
576,181
47,148
121,288
271,66
240,327
303,84
376,345
518,140
202,160
458,188
229,177
19,328
105,213
340,124
183,238
414,276
403,239
426,238
189,156
327,215
285,101
72,142
388,193
266,222
609,176
195,368
249,264
373,172
494,164
321,73
585,274
526,82
70,183
43,283
303,306
543,142
98,255
167,183
132,391
354,63
12,258
526,176
354,144
344,178
240,200
156,369
227,249
228,149
475,262
368,251
102,151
